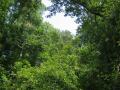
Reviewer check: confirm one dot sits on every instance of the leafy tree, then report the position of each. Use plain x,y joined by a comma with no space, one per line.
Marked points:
99,28
21,20
34,55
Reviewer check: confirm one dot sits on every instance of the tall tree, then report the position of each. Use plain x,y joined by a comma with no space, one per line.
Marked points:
19,20
100,28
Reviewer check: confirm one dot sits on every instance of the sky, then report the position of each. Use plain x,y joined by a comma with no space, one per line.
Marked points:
59,20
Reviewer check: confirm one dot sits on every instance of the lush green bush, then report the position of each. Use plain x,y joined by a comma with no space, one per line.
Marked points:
53,74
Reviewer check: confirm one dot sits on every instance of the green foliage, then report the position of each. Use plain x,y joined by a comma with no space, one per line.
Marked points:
36,56
100,28
53,74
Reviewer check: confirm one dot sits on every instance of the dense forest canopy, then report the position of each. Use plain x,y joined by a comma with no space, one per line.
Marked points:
36,56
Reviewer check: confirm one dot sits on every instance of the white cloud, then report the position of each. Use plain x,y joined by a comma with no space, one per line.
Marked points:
46,2
60,21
